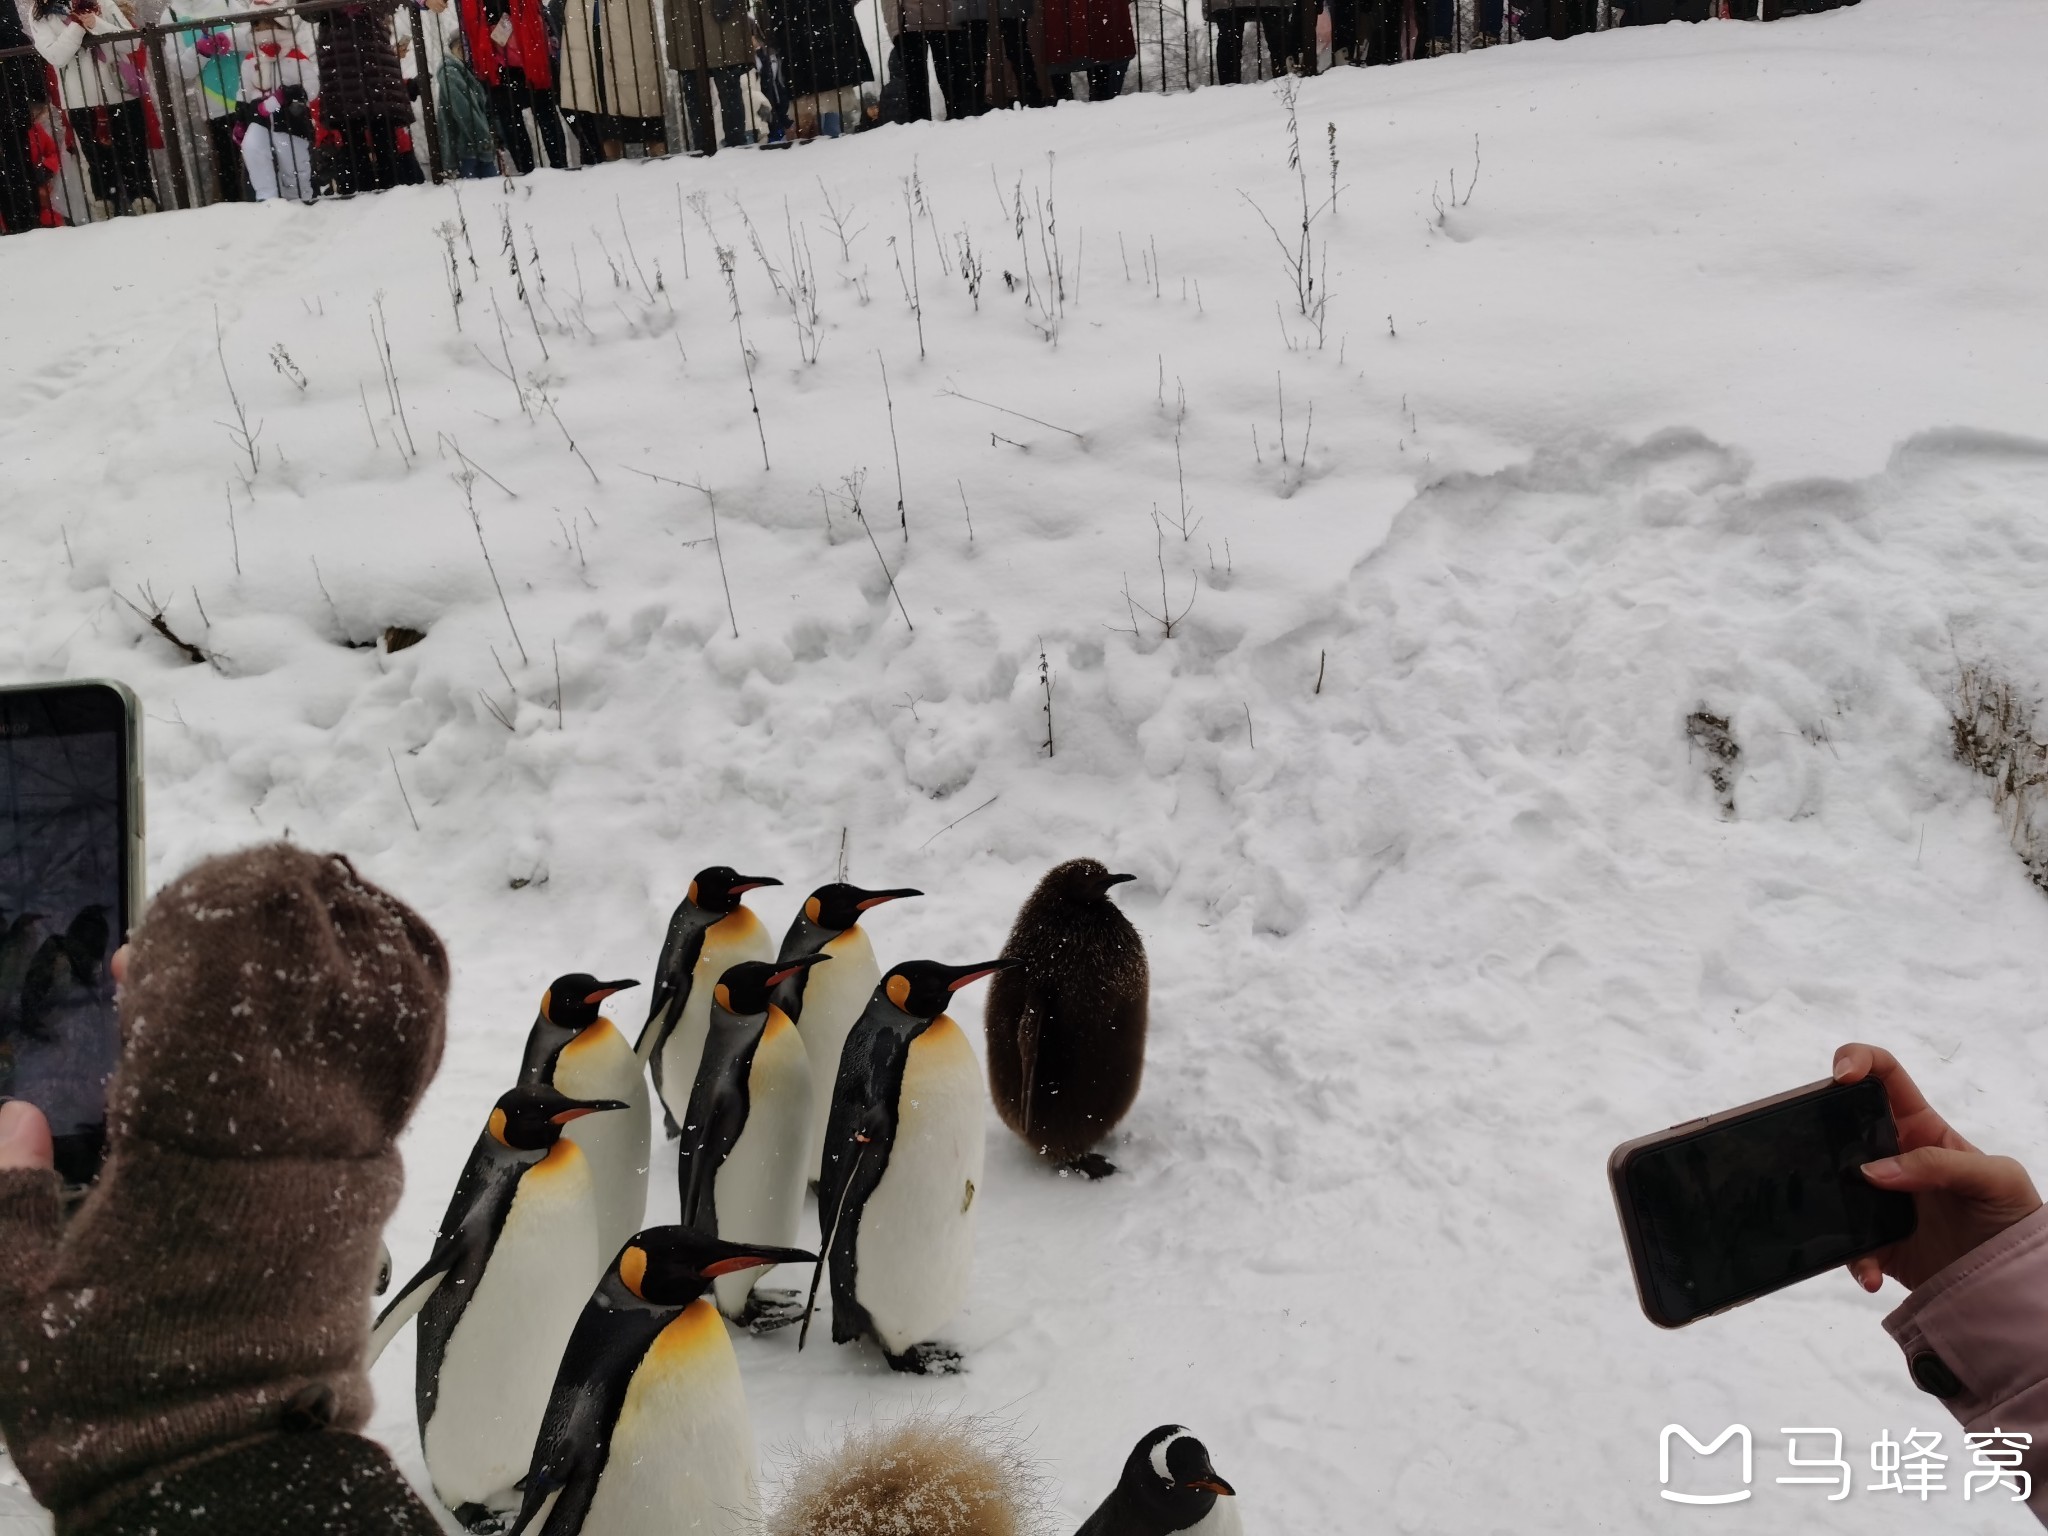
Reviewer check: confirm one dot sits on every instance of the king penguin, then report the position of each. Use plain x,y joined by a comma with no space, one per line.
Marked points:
902,1160
498,1298
824,1006
1066,1029
647,1432
709,932
746,1136
1168,1486
576,1049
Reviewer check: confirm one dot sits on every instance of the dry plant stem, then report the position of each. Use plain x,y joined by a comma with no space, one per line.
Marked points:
442,439
333,612
839,218
949,826
902,517
916,293
510,248
1045,683
965,509
561,714
151,612
467,480
363,394
732,292
410,814
718,549
628,235
841,876
234,538
683,229
240,433
1249,739
1322,661
1034,420
391,378
496,713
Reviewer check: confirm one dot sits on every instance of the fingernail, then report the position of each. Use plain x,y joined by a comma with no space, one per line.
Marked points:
1841,1068
1883,1168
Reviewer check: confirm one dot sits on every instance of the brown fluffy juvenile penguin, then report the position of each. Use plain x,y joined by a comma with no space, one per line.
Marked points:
1066,1027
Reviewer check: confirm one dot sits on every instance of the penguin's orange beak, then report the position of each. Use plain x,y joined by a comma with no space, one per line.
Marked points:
606,989
876,898
975,973
594,1107
754,1260
1214,1485
794,966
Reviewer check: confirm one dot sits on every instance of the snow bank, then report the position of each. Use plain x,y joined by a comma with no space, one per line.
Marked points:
1695,404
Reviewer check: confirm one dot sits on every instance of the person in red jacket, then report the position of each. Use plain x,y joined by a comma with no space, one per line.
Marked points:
508,49
1091,37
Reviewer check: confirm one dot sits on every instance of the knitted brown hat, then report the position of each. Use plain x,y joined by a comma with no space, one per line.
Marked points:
280,1020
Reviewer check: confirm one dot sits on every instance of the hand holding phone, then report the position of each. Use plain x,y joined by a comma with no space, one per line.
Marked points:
1721,1210
1961,1197
70,881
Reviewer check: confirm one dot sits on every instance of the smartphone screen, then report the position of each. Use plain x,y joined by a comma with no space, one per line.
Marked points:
1757,1200
65,880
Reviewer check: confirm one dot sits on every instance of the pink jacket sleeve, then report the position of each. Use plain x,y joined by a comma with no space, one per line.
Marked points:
1976,1336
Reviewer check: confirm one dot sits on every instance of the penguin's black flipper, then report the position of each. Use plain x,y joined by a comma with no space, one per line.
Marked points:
859,1137
680,947
1111,1518
716,1116
414,1294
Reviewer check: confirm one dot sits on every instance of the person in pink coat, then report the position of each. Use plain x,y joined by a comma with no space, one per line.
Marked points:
1974,1331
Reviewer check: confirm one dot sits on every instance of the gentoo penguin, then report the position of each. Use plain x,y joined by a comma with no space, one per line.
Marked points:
709,932
647,1432
1167,1486
747,1133
1066,1029
902,1160
578,1050
824,1006
497,1299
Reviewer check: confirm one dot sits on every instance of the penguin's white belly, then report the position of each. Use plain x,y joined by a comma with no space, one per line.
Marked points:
615,1142
500,1362
835,996
731,941
682,1452
760,1189
1222,1520
915,1247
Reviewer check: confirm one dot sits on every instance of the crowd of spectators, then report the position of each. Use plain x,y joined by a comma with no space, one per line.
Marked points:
337,97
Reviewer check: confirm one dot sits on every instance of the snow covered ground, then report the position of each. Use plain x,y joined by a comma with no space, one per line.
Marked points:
1714,394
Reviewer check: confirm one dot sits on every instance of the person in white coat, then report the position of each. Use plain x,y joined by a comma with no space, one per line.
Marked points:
280,81
101,84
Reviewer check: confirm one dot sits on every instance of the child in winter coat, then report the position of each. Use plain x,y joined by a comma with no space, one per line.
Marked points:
101,87
280,82
462,109
210,59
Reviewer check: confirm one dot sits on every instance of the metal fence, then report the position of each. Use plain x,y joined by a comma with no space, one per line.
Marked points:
329,98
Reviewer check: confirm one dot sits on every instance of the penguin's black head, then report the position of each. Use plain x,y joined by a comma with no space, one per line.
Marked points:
1079,880
1169,1474
573,1001
719,888
531,1119
836,908
673,1266
744,988
924,988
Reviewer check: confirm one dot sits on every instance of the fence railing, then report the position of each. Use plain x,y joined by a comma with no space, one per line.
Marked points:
328,98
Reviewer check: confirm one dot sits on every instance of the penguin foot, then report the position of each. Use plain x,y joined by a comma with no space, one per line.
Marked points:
926,1360
481,1519
1090,1165
767,1311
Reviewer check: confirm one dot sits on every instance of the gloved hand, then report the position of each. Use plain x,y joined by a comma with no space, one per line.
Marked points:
280,1020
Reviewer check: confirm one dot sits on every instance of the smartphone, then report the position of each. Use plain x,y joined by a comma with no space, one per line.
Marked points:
71,866
1727,1208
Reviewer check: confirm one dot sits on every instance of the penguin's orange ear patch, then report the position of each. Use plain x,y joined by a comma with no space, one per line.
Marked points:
898,990
812,908
633,1269
691,895
722,997
547,1005
498,1127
